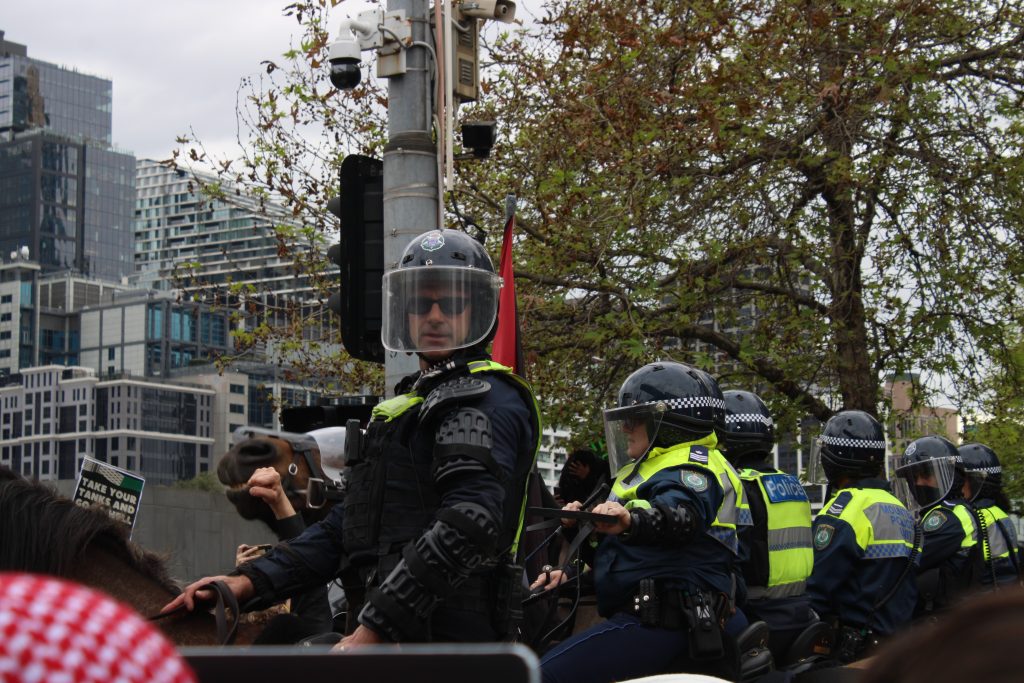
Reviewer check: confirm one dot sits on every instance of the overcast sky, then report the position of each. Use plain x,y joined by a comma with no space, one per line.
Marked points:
174,65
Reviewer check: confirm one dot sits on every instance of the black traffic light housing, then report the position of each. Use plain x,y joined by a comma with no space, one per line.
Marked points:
360,255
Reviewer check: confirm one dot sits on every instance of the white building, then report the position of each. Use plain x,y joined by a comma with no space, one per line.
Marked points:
53,416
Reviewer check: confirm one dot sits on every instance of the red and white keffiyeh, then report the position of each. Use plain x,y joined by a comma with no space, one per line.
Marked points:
54,631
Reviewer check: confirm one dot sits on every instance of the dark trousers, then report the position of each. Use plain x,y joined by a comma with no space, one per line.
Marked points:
618,649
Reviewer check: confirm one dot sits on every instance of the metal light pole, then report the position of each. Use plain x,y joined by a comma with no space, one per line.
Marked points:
411,204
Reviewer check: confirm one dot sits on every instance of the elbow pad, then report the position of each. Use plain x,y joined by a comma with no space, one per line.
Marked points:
661,525
431,569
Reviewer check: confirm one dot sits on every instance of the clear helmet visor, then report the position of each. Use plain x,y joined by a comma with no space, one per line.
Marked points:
815,470
630,433
975,480
438,308
923,482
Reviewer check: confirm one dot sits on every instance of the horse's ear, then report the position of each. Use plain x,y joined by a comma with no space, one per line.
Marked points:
7,474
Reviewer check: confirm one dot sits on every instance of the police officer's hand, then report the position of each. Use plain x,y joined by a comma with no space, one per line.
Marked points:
241,586
265,484
616,509
575,505
361,636
549,578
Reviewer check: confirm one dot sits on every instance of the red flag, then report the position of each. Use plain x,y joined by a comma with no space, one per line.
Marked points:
507,350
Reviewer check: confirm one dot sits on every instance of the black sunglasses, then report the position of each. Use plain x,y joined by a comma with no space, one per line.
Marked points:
450,305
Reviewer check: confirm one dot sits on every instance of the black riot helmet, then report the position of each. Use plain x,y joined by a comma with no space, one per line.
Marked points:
983,470
662,404
717,410
851,444
928,472
749,429
442,297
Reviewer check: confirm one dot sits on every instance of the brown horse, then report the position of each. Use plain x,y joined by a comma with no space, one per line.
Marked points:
44,533
296,459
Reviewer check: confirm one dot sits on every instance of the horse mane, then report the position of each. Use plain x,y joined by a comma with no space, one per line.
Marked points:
45,533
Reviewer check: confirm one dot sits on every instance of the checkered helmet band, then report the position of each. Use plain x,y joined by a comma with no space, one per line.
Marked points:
997,469
844,442
750,417
689,402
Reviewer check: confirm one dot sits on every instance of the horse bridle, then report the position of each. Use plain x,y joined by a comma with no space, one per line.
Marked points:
322,487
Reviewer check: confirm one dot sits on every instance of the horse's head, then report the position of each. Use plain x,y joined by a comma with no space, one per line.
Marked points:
247,456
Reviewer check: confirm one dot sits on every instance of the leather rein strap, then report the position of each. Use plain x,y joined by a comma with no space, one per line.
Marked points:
225,600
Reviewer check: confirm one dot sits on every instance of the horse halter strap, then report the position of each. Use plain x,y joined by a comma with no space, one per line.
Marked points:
326,489
225,601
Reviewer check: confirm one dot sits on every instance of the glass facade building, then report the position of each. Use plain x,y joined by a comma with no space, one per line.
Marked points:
68,203
65,194
36,94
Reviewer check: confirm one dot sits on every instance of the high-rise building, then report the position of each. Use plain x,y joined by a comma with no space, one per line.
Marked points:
186,240
66,195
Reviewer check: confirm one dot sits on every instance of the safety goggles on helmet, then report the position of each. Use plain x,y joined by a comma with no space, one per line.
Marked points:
630,432
438,308
925,481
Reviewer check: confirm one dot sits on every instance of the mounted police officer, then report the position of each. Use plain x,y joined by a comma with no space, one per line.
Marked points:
866,542
436,491
664,568
779,557
932,475
983,488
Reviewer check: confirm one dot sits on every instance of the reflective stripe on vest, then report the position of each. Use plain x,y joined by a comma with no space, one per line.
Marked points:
969,524
997,547
504,370
733,510
393,407
790,550
884,528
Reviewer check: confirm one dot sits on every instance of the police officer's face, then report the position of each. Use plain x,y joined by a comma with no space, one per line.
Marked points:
438,319
925,479
637,441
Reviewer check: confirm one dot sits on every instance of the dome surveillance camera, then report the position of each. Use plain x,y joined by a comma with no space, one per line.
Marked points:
345,75
344,57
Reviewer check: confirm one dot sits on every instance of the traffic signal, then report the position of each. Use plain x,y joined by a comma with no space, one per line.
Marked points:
360,255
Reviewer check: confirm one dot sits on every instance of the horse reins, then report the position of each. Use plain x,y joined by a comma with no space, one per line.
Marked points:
226,600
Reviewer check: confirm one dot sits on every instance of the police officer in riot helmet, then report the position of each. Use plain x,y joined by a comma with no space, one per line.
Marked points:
436,485
663,569
779,557
866,543
929,478
983,488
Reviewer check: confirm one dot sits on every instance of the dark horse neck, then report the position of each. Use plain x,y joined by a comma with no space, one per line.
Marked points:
102,569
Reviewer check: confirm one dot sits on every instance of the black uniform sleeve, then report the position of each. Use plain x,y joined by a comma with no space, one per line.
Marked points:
312,605
676,511
308,560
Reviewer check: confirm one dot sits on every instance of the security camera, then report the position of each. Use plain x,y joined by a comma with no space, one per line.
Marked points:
344,57
478,136
344,54
501,10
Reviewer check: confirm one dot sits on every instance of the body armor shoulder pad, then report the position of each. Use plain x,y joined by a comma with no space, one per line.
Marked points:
464,445
448,393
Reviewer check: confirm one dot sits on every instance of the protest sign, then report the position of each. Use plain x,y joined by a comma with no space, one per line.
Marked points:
117,491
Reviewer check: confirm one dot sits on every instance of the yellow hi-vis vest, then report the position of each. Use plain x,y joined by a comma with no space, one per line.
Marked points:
997,547
734,510
790,553
883,526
